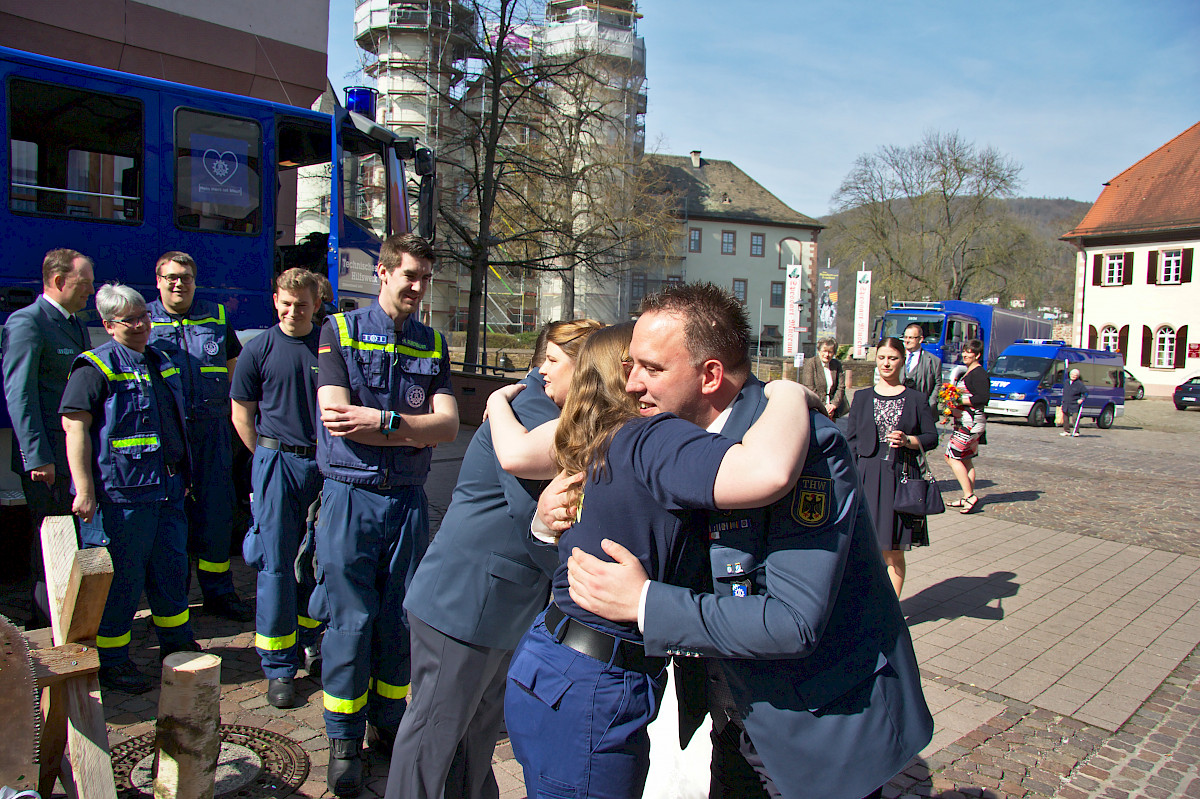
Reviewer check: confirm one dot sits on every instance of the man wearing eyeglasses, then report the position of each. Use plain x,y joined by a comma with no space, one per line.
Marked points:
195,335
922,369
38,343
122,412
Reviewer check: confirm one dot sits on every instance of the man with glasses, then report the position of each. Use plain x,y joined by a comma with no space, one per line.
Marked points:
195,335
122,411
38,344
922,369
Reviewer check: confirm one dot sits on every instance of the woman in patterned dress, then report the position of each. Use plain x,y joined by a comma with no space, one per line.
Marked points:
888,425
969,425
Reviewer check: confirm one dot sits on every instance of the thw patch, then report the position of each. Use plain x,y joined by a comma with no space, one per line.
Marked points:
811,501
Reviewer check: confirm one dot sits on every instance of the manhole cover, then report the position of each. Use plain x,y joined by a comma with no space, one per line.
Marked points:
253,764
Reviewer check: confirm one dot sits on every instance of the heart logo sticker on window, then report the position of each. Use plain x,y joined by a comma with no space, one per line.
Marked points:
220,166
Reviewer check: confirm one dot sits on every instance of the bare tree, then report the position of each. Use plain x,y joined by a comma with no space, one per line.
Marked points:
928,216
534,177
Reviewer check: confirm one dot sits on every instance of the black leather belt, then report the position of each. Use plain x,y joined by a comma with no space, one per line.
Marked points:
275,443
599,645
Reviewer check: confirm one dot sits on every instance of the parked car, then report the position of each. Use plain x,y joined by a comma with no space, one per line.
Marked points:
1133,387
1187,394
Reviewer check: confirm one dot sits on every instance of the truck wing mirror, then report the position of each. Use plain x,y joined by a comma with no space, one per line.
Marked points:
426,212
424,161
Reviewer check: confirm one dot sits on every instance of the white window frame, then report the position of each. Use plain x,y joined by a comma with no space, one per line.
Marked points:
1170,266
1164,348
1109,338
1114,269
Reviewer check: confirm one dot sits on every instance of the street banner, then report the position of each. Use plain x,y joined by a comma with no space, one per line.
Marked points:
862,312
827,302
793,312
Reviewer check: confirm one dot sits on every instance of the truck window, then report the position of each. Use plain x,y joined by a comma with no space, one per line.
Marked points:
364,184
74,153
1020,367
931,326
218,173
302,207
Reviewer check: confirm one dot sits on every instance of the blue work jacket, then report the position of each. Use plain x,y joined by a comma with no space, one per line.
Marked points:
196,345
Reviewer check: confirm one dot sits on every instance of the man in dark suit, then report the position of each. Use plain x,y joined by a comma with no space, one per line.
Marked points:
811,676
922,369
476,592
38,344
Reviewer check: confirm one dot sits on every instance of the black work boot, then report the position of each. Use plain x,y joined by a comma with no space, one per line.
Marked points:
312,661
281,692
124,677
345,772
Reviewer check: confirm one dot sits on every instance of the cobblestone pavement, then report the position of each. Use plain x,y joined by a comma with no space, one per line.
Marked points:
1057,628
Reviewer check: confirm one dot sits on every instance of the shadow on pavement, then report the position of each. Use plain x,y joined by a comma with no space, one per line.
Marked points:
961,596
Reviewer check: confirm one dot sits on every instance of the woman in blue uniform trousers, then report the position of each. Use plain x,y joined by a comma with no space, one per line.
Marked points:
581,688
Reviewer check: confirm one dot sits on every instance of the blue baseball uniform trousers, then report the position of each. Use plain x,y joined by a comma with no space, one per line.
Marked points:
210,505
147,542
577,724
369,543
284,485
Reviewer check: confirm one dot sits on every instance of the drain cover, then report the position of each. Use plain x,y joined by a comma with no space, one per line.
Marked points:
253,764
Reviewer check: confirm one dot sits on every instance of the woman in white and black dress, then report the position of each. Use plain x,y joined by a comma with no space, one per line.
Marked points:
970,425
888,425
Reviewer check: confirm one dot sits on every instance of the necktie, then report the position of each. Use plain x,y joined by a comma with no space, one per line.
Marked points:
80,331
912,361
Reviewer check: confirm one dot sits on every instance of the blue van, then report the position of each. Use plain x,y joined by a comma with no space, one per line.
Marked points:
1027,381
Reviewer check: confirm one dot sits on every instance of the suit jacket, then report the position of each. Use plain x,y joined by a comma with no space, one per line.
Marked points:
478,582
812,374
916,419
926,377
817,654
38,346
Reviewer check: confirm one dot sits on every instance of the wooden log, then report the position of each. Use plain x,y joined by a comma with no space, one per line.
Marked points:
187,737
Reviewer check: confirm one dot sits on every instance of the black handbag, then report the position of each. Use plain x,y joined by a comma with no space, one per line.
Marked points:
918,494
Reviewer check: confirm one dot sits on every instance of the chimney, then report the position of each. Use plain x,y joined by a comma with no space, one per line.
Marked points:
695,159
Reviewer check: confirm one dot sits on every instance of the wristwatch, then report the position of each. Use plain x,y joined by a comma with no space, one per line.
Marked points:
391,422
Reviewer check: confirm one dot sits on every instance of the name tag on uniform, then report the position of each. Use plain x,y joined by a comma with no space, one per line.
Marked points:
371,338
66,351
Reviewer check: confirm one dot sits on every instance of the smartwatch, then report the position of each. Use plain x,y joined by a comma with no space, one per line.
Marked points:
391,422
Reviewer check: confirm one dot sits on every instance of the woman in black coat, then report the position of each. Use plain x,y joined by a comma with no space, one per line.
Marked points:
888,425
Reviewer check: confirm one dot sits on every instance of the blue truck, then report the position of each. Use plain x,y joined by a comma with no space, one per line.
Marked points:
947,324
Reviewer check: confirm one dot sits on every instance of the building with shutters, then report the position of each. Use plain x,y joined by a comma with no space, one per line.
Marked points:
1134,286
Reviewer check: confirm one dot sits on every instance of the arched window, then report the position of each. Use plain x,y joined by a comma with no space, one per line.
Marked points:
1109,338
1164,348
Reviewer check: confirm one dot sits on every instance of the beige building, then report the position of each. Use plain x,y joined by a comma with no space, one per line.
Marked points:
738,235
1134,287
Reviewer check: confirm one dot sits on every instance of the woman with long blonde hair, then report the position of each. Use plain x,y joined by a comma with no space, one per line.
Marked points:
580,680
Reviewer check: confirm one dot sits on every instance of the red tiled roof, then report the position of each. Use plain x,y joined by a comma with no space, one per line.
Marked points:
1159,193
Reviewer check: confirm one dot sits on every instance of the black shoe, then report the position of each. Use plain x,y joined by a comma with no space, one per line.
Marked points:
381,740
345,772
228,606
312,661
189,646
281,693
124,677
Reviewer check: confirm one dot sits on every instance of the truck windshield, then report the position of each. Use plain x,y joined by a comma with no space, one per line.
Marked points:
1020,367
364,183
931,326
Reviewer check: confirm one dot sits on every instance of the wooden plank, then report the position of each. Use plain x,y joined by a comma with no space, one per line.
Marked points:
54,737
87,739
95,578
63,574
41,638
53,666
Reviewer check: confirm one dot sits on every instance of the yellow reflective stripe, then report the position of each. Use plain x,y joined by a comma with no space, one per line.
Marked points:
307,622
169,372
346,341
134,441
388,691
221,369
339,322
208,566
171,621
107,642
162,324
219,319
336,705
109,373
275,643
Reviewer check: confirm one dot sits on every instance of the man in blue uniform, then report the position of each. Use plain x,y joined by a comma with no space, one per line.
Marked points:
122,411
195,335
38,345
274,394
813,684
383,387
476,593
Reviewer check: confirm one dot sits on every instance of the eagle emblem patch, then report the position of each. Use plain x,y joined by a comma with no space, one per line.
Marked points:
811,501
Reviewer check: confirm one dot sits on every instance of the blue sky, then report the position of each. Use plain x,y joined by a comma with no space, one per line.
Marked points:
793,92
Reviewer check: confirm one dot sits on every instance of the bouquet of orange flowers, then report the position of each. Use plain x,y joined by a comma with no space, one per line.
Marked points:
949,401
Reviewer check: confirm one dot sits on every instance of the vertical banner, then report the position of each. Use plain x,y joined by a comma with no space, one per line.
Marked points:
862,312
793,309
827,302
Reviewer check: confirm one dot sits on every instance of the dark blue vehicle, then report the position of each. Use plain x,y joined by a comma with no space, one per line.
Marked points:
1027,381
123,168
